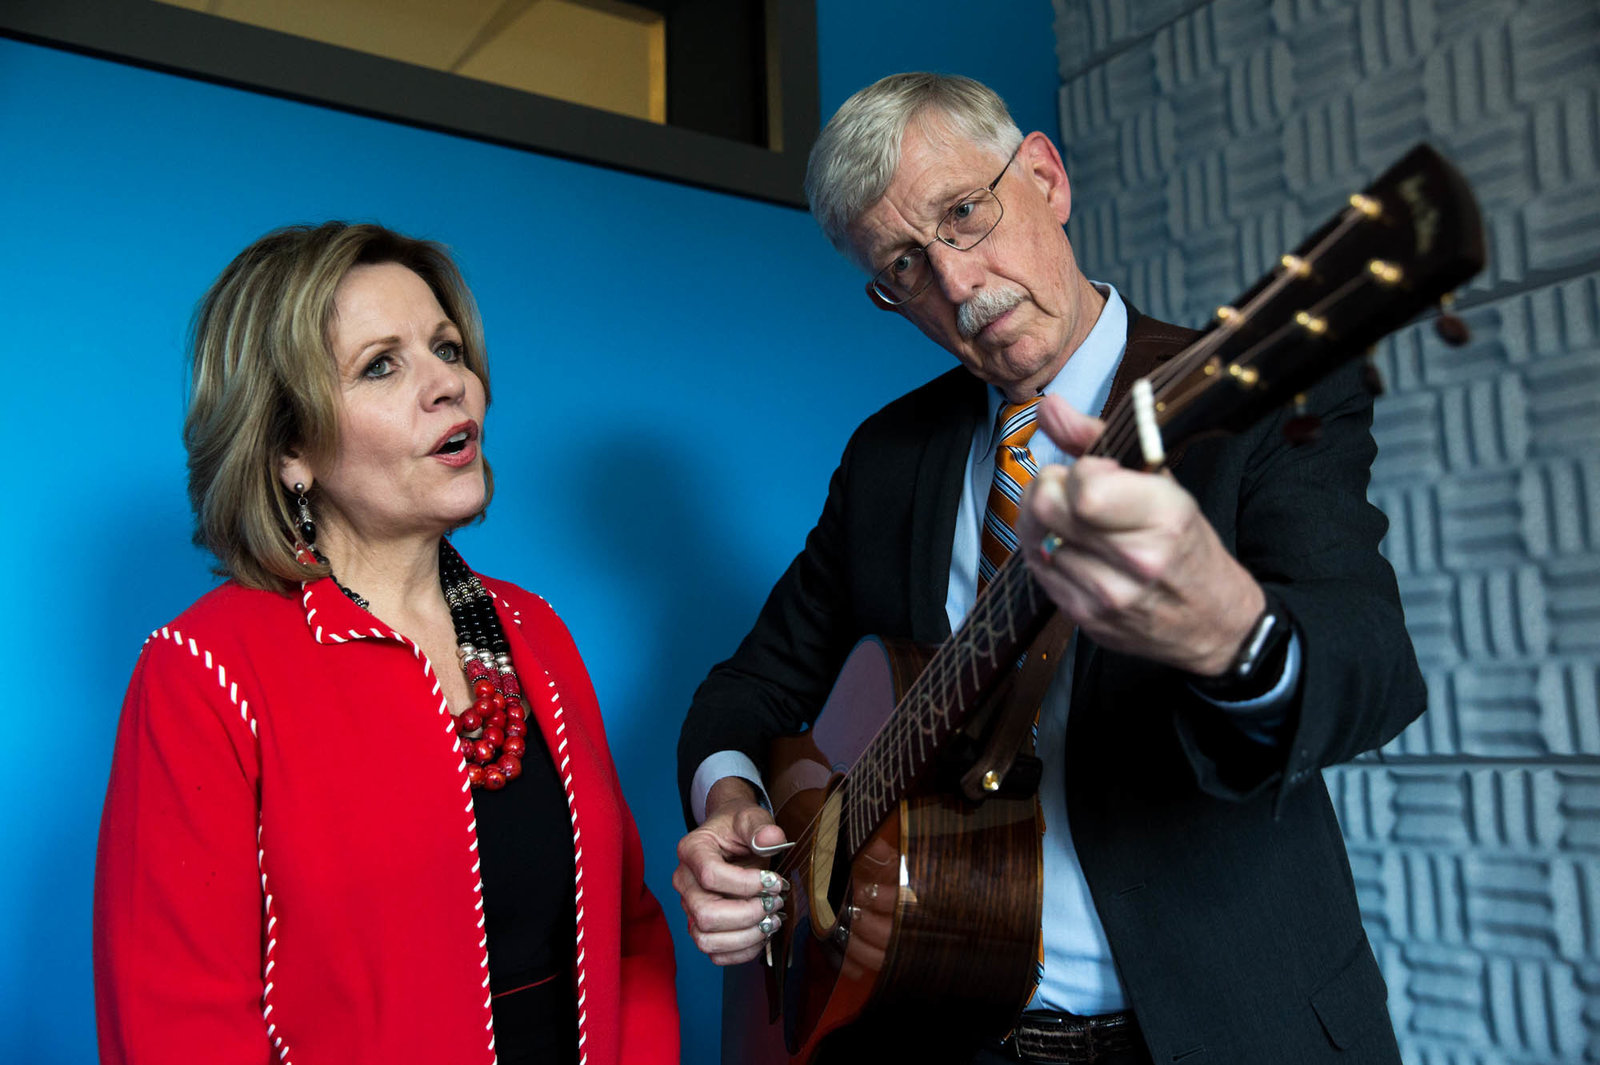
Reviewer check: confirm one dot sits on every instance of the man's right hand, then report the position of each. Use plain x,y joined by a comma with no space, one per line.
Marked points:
724,889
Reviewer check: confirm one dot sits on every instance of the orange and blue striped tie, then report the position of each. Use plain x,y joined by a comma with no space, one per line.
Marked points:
1013,469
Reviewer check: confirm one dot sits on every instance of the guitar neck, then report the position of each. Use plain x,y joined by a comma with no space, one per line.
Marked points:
1412,237
1003,622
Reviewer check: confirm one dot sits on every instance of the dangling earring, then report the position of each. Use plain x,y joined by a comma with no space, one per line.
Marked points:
305,551
307,527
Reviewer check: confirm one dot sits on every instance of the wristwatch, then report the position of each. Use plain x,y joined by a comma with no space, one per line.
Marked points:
1258,665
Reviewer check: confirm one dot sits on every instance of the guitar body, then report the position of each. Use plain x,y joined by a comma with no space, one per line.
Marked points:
925,941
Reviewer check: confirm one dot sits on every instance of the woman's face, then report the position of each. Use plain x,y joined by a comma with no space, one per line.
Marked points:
410,415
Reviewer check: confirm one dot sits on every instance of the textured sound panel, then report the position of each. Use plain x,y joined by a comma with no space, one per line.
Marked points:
1204,139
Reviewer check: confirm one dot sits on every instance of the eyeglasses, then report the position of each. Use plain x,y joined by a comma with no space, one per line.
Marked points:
962,228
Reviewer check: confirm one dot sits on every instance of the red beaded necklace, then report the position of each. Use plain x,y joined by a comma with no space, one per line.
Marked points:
494,728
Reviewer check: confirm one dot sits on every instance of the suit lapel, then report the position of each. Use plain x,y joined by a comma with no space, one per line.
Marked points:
1150,343
935,500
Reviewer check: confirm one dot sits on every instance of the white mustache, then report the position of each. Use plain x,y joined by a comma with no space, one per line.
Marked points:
984,308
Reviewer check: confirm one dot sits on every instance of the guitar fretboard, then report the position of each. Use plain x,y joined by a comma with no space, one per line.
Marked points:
1002,623
1409,239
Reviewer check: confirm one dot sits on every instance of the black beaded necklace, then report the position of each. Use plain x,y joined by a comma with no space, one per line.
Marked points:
494,728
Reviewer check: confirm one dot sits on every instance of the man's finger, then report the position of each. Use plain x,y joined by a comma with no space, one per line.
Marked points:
714,943
713,914
1044,508
755,825
709,864
738,957
1072,430
1104,497
735,881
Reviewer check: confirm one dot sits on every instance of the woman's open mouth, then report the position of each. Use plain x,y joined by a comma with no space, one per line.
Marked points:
457,449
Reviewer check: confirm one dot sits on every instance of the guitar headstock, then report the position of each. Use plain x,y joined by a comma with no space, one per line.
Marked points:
1399,247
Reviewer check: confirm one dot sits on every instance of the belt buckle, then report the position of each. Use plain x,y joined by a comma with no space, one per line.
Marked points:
1069,1038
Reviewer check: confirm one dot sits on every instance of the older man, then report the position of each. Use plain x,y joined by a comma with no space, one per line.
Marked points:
1237,627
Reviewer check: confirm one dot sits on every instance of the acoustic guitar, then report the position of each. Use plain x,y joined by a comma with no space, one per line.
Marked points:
913,924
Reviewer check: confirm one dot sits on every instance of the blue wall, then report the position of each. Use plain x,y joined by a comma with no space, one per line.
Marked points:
123,192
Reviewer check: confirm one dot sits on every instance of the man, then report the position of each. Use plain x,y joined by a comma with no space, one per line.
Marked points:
1237,628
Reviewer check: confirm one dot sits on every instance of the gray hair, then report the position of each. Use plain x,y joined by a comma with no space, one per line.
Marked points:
858,151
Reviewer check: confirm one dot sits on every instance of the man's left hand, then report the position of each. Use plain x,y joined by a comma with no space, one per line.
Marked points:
1138,568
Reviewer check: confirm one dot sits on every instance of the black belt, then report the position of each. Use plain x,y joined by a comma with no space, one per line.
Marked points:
1048,1036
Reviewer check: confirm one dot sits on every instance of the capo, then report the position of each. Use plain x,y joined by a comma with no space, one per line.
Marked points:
1144,417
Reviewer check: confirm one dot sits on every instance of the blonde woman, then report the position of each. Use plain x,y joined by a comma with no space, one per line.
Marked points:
361,805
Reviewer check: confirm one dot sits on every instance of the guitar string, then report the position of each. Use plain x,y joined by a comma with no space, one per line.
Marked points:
1121,431
938,672
869,770
938,675
944,668
1184,364
942,671
860,822
1190,358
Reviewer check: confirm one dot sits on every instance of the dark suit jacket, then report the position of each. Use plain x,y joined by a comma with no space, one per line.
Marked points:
1216,864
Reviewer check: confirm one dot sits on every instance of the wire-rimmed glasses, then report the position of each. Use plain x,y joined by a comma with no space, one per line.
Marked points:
962,228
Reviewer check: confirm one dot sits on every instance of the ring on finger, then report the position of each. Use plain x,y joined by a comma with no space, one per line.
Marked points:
769,924
1049,546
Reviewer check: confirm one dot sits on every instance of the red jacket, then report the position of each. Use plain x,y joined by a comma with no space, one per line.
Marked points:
288,870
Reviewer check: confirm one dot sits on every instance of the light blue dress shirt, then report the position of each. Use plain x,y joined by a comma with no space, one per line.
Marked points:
1079,974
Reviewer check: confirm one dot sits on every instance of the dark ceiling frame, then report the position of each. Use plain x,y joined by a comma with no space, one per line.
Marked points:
179,41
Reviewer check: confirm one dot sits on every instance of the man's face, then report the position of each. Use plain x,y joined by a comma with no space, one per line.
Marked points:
1026,307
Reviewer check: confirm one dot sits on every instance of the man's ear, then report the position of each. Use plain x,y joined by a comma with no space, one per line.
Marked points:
1041,163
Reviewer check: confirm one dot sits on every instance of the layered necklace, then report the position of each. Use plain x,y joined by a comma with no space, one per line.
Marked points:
494,728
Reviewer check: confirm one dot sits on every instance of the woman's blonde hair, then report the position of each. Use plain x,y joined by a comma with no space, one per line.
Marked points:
264,383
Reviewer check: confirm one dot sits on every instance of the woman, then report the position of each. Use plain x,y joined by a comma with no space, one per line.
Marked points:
335,830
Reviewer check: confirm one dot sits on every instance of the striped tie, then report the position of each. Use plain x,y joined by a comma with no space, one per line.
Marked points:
1013,469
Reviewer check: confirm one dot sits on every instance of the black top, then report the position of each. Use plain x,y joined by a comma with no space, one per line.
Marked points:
525,846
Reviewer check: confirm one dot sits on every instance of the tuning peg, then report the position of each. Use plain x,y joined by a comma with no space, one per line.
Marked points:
1304,427
1368,206
1387,273
1311,323
1451,329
